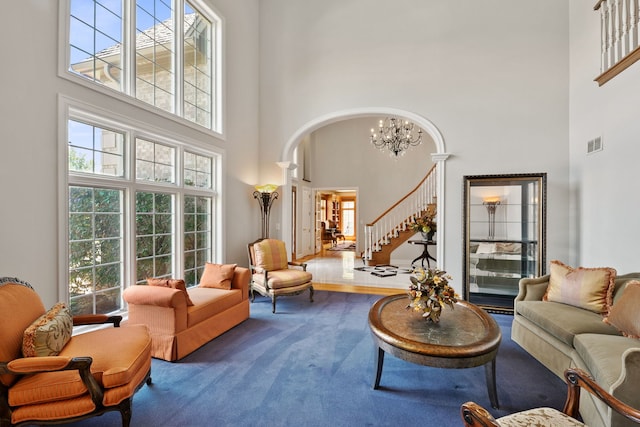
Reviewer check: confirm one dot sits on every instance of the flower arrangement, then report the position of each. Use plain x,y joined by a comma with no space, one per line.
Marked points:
425,224
430,291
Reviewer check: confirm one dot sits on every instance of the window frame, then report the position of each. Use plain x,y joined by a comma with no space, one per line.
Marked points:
127,93
71,109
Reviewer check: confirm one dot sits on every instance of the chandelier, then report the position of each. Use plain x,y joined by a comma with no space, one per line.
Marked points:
395,135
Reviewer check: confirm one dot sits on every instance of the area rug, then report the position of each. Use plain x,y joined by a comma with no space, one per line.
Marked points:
346,246
311,364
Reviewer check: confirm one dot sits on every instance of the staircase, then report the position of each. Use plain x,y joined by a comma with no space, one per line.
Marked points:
391,229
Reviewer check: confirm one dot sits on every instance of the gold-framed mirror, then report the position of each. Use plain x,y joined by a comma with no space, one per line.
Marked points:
504,236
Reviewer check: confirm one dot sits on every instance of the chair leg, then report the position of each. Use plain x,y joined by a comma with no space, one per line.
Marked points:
125,411
311,293
273,304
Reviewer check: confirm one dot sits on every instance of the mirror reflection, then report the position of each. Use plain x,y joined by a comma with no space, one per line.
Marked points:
504,236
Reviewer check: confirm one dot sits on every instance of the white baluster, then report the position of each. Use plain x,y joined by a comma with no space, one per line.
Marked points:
603,38
610,35
633,24
624,30
618,42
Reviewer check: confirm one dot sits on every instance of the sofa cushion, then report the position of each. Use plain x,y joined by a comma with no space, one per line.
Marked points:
217,276
625,313
602,355
564,321
49,333
270,254
588,288
210,301
282,279
170,283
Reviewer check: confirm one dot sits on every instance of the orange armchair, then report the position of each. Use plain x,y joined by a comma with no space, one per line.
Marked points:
48,376
270,272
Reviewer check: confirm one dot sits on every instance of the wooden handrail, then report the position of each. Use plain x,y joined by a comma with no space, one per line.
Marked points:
403,198
619,67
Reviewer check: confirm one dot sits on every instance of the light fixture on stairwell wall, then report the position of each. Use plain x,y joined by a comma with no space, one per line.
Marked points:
396,135
265,195
491,204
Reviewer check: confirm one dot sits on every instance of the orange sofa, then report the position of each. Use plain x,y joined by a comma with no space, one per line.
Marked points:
50,376
177,329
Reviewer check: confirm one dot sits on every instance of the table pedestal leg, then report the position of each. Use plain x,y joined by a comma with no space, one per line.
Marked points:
490,377
379,360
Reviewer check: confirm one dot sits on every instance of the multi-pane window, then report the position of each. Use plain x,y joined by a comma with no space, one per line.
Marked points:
348,210
95,150
155,162
95,37
154,235
95,249
197,170
155,35
163,54
127,225
197,67
197,236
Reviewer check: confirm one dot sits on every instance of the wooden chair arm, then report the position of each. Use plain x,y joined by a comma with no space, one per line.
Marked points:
475,415
298,264
34,365
95,319
576,379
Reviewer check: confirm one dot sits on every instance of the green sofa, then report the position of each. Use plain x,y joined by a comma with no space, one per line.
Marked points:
561,336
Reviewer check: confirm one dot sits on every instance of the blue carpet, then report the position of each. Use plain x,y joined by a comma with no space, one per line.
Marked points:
311,364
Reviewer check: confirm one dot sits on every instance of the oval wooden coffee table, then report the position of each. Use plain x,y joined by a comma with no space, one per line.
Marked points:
465,337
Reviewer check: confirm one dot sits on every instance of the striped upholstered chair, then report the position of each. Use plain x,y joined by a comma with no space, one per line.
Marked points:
475,415
271,275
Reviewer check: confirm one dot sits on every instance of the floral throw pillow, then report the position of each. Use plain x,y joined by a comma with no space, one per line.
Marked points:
624,314
588,288
49,333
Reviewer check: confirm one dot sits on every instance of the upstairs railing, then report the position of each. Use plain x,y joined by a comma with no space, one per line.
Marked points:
620,33
400,215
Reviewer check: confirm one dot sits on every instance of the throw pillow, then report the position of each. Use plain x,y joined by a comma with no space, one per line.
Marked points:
270,254
624,314
217,276
49,333
588,288
170,283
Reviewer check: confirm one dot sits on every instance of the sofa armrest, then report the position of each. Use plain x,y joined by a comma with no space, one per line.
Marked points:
154,295
626,387
241,280
532,289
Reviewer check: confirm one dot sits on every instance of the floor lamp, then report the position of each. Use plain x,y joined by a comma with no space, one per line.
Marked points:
265,195
491,205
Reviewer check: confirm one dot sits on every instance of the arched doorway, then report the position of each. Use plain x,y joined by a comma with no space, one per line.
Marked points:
439,157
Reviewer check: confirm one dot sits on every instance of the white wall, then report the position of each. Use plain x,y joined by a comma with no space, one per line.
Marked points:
604,185
29,129
491,75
